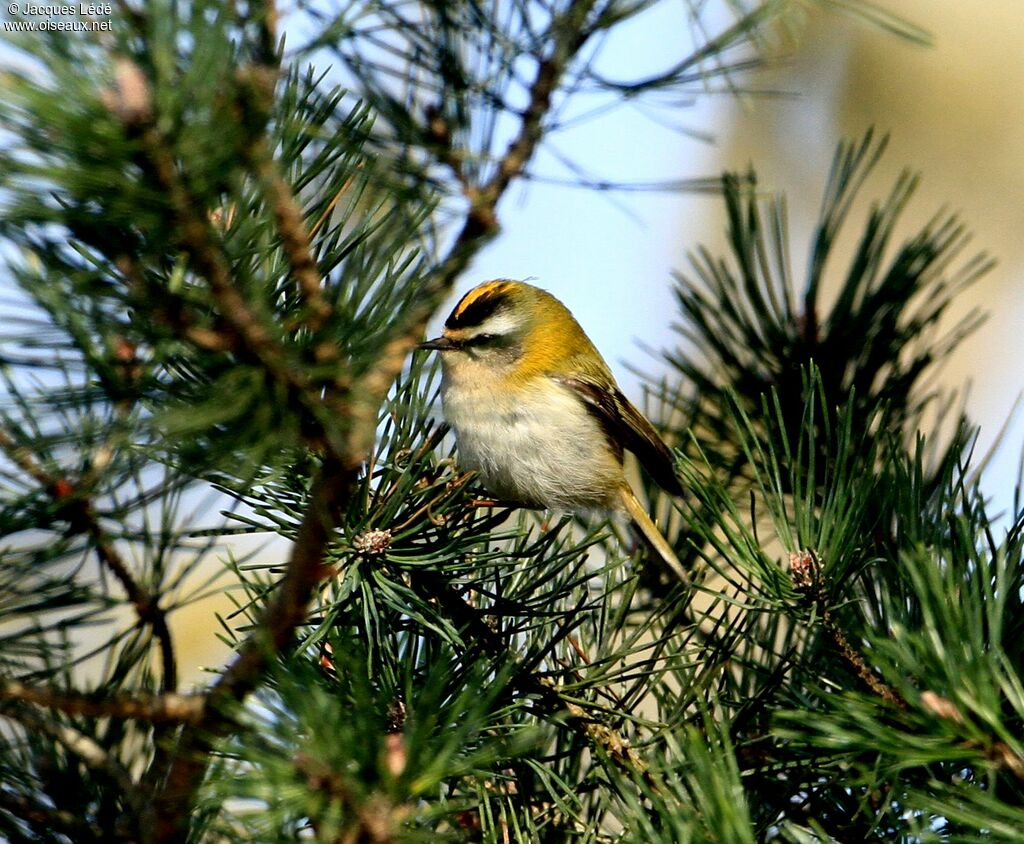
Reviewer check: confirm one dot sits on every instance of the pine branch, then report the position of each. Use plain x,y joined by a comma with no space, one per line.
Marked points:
172,311
73,505
53,819
295,239
167,817
600,736
805,570
567,33
745,335
167,707
281,326
80,745
254,333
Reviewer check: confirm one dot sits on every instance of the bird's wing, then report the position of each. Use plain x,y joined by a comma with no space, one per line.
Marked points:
654,537
627,427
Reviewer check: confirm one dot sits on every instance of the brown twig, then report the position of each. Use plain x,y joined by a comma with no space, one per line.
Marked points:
168,815
570,34
249,331
305,569
23,458
75,507
209,261
49,820
173,311
132,103
601,736
291,225
89,752
168,707
440,136
858,663
336,481
146,604
77,743
295,239
567,34
805,573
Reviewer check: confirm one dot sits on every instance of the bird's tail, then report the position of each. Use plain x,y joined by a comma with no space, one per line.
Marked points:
651,533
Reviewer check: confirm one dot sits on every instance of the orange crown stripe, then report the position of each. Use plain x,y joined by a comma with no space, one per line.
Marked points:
490,288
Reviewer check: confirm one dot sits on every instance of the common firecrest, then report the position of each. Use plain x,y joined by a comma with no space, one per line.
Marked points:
537,413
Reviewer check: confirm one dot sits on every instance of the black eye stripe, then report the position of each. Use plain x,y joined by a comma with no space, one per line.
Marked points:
475,312
481,340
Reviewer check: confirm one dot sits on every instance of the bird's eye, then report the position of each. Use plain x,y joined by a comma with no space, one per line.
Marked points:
482,340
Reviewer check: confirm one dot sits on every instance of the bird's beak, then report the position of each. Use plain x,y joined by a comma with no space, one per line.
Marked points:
438,344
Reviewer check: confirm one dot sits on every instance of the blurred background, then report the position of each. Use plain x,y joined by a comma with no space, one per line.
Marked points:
954,112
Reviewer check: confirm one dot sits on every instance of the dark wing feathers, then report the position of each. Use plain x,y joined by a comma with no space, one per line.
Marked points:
627,427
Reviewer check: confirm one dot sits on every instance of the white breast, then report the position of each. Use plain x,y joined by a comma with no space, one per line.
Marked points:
542,448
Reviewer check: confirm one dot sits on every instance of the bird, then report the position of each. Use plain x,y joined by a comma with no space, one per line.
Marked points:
536,412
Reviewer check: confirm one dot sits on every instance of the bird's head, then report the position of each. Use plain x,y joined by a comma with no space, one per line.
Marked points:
516,329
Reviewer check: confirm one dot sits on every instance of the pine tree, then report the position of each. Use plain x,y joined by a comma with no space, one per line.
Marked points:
222,264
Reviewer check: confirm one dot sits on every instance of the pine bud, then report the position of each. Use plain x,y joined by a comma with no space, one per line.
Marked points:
372,543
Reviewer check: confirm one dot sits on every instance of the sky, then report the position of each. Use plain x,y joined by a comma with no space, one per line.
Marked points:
609,255
954,113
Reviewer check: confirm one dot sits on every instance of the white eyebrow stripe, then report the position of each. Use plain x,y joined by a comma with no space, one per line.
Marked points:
499,324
